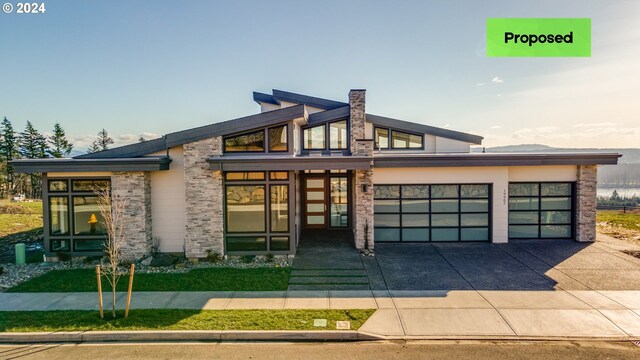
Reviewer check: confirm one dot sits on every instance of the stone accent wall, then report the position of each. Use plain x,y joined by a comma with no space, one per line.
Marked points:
203,193
357,116
363,183
363,209
135,188
586,203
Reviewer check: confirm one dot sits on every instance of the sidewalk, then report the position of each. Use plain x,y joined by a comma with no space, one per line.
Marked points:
405,314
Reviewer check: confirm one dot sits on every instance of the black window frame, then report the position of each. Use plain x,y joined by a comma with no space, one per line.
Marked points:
246,133
268,233
346,145
70,193
390,131
268,133
430,213
327,137
324,141
540,210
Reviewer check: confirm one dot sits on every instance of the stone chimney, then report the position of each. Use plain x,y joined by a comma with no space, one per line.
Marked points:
357,124
362,179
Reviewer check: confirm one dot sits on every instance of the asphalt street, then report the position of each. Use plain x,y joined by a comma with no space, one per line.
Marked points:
477,350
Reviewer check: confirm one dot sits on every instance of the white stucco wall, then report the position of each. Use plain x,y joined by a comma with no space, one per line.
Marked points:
368,130
430,143
264,107
444,145
543,173
498,176
168,204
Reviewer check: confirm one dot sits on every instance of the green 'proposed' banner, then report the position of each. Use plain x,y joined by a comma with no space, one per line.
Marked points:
538,37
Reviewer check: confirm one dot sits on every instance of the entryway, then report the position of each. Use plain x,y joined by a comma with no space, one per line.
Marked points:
327,260
326,199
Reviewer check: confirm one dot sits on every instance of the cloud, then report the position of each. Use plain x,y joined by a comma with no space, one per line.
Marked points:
495,127
497,80
592,125
480,84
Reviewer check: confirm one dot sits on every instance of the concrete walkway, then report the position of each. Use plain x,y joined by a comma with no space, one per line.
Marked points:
406,314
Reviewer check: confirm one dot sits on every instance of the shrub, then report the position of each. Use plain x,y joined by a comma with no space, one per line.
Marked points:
63,256
213,257
247,259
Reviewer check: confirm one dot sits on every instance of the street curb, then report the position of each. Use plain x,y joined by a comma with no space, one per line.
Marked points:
257,335
182,335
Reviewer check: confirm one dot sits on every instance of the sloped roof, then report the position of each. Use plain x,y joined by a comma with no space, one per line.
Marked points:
203,132
420,128
279,96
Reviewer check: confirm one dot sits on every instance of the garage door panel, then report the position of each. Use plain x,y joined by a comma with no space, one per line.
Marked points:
432,212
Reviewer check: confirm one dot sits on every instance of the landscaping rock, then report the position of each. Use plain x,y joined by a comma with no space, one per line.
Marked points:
147,261
162,260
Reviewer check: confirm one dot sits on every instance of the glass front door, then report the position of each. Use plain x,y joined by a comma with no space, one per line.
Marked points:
338,195
315,202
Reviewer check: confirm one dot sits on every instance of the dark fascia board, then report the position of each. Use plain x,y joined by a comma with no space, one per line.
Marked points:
264,98
128,151
382,121
325,104
493,159
329,115
261,163
234,126
148,163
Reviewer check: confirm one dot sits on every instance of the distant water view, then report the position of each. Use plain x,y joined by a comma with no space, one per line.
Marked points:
623,192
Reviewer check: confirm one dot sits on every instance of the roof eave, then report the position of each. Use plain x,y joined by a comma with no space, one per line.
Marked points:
30,166
457,160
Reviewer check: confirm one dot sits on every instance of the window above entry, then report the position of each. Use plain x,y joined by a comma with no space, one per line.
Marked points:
337,133
386,138
277,140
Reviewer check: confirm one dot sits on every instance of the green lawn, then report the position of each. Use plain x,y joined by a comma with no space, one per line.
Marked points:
167,319
625,220
211,279
19,217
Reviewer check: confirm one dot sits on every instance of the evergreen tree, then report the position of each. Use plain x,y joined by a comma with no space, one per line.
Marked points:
93,148
59,146
8,152
102,142
32,145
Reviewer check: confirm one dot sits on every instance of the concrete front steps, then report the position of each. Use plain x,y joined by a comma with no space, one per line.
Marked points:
324,279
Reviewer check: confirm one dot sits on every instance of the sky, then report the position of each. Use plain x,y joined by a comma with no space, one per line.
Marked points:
152,67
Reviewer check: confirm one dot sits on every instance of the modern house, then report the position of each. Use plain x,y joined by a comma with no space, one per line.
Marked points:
253,185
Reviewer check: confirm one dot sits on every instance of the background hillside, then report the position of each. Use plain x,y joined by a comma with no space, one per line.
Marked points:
624,175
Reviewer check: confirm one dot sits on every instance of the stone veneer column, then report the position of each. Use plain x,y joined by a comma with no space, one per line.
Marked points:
362,179
586,203
135,188
204,229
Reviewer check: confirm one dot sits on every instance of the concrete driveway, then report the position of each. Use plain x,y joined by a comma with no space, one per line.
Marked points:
518,265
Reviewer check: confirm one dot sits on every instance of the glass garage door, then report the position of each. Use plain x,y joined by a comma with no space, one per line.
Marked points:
541,210
438,213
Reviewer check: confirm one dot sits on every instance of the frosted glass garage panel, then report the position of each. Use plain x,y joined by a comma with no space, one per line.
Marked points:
382,234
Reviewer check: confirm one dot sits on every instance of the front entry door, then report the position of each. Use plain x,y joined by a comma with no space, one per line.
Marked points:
315,202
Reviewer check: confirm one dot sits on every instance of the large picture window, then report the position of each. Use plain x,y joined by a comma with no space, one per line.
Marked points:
278,139
75,221
257,212
540,210
245,208
438,213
